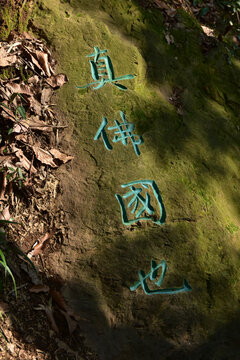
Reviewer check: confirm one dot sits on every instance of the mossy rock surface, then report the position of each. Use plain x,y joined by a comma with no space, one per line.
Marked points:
185,103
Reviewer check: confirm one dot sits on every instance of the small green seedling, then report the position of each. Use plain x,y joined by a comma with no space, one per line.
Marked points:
7,270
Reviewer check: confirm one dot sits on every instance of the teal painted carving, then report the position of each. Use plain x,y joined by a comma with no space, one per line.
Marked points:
152,276
102,71
101,132
123,132
137,199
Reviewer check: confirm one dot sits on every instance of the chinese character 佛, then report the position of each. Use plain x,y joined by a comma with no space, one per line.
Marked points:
152,276
137,200
123,132
102,71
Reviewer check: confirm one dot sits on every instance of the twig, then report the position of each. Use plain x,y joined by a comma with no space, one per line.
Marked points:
19,287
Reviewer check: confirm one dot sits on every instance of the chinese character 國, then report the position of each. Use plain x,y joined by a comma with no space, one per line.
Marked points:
137,200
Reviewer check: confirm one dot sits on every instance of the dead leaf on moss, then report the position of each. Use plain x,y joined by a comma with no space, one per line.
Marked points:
208,31
169,38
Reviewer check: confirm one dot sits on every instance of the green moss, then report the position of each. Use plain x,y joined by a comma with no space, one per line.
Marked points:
232,228
189,21
9,18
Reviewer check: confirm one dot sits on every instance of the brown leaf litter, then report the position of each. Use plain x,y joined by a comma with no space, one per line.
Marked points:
28,190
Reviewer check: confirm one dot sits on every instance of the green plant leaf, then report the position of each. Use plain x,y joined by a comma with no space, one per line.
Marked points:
26,258
12,97
204,11
4,105
8,270
20,173
21,111
7,222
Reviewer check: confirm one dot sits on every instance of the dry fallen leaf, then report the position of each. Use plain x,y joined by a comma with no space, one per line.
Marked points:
35,105
32,58
44,156
72,324
57,80
171,12
161,4
39,288
23,161
45,96
169,38
36,124
33,80
60,156
63,346
43,61
5,214
18,88
49,314
4,307
208,31
3,187
6,59
7,113
19,128
37,250
5,158
60,301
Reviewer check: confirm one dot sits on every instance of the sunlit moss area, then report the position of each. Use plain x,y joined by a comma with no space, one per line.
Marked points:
185,104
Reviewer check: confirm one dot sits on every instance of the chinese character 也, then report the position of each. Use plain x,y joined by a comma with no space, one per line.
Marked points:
152,276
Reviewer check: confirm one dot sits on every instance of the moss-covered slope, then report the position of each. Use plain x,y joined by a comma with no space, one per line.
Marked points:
185,104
